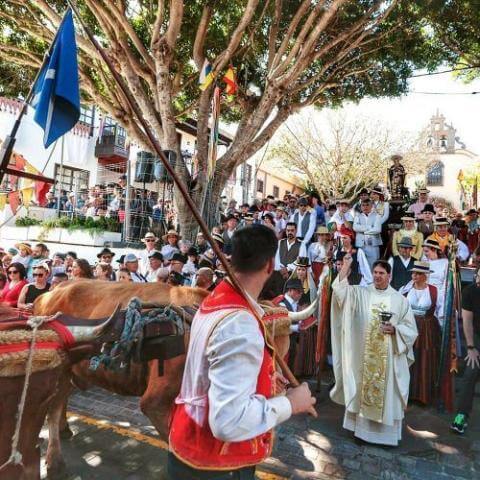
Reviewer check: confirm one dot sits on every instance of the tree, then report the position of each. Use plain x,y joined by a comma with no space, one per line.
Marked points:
288,55
346,155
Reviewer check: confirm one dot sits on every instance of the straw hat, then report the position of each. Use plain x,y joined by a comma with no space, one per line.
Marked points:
431,244
322,230
24,246
377,189
218,238
408,217
170,233
421,267
423,190
149,235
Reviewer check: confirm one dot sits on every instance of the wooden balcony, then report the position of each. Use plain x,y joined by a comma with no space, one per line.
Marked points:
111,146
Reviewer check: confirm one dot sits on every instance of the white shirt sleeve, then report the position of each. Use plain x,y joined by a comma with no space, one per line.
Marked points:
386,213
277,258
311,227
358,226
462,252
235,353
364,267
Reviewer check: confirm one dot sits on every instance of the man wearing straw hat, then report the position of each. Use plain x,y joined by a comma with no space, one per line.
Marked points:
228,404
149,240
446,239
409,230
373,332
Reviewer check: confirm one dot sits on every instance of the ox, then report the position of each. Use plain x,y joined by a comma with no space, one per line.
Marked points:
47,386
93,299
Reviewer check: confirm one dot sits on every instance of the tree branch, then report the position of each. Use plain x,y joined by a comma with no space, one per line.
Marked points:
201,35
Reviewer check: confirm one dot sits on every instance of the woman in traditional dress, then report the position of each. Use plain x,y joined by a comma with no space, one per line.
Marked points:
303,363
321,251
17,279
409,230
422,297
432,253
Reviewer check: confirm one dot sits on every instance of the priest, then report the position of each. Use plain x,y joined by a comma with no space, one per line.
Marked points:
373,332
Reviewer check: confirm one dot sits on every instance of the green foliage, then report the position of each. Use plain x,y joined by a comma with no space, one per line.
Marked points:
27,222
90,225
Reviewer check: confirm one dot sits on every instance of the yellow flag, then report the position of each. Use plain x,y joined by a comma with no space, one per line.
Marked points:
3,201
27,195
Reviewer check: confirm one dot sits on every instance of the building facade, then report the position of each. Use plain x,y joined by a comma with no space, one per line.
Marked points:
452,167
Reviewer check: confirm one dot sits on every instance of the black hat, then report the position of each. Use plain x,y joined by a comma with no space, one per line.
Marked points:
178,257
294,284
408,216
177,278
156,254
121,259
106,251
339,256
302,201
231,217
364,191
471,211
377,189
192,251
302,262
253,209
428,208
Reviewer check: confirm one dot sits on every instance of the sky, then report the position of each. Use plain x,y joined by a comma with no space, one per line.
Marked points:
412,112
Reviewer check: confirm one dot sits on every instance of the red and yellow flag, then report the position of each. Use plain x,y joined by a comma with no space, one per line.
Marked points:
231,80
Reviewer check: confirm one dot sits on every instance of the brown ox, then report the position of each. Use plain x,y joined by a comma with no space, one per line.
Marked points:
93,299
46,388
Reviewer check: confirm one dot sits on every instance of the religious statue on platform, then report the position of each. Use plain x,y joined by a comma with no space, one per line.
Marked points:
396,178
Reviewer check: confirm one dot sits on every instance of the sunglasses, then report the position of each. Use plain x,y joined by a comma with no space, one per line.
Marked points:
149,240
106,257
39,275
11,272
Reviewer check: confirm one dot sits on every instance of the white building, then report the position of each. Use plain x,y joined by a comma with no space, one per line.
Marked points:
451,163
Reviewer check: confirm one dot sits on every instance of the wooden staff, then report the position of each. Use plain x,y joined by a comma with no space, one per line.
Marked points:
158,150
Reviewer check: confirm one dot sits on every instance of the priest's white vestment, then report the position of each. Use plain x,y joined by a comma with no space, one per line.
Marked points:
372,376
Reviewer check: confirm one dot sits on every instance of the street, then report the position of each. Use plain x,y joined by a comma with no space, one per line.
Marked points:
114,440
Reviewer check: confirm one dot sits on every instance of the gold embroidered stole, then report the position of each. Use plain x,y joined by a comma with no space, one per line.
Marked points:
375,357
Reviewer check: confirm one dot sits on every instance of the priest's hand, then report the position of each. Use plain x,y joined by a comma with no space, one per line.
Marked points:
387,329
302,400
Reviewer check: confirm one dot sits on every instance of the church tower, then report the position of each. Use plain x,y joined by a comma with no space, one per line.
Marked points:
441,136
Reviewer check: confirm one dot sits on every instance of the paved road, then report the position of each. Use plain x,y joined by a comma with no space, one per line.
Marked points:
113,440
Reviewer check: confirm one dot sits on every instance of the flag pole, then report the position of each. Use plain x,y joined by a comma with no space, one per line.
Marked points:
7,146
183,190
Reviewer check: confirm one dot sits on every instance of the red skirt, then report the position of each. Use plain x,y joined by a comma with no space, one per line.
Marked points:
303,361
424,371
317,268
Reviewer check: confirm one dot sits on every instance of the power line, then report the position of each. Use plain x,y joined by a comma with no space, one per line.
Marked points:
472,67
444,93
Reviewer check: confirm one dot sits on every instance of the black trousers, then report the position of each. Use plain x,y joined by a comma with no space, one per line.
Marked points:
177,470
467,391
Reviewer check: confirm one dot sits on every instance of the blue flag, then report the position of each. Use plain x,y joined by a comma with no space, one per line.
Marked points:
56,94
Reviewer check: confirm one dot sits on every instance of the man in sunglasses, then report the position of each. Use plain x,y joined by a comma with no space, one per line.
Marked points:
33,290
149,240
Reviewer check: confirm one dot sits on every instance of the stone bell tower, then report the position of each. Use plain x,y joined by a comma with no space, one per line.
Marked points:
441,136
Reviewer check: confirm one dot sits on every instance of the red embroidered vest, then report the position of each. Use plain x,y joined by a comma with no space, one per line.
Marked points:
195,444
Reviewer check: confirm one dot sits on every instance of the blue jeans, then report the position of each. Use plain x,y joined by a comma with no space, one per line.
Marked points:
179,471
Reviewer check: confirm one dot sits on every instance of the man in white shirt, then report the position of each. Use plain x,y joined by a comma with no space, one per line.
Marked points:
149,240
368,227
380,207
156,267
289,249
306,220
226,403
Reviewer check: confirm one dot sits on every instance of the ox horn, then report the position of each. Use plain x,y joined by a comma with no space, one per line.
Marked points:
296,317
89,334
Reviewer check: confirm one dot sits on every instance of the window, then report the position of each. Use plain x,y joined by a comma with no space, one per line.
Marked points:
276,191
260,186
435,175
70,179
87,114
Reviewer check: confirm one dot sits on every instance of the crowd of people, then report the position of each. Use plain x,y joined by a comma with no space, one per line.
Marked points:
311,235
